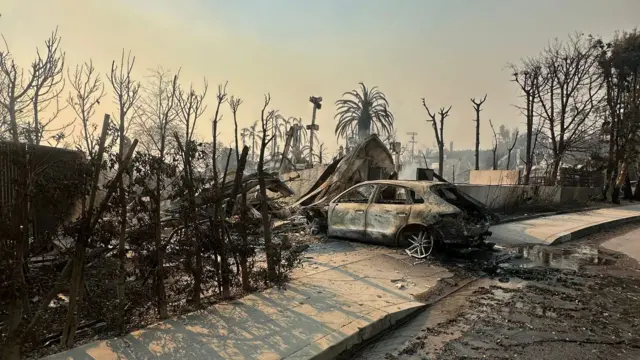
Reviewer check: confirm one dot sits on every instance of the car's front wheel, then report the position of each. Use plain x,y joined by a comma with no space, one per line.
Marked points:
418,242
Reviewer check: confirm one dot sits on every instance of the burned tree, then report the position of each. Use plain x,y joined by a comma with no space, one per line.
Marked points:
494,149
87,91
266,120
47,89
221,250
190,107
234,104
438,131
14,91
568,95
527,77
510,148
126,91
156,123
476,107
619,63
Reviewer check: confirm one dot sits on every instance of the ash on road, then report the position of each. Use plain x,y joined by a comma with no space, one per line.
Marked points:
580,300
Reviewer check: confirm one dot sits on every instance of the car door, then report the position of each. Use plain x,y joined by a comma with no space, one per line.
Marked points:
347,213
388,213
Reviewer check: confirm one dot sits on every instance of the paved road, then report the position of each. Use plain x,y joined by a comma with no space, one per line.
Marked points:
458,327
628,244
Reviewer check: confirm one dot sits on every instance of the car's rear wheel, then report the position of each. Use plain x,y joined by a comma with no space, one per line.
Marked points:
418,242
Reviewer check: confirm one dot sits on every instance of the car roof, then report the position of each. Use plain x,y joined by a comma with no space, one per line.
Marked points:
413,184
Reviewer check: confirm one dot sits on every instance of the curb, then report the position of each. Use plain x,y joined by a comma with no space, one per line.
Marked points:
592,229
362,335
551,213
400,318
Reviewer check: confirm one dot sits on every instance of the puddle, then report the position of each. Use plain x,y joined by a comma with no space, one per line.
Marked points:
568,258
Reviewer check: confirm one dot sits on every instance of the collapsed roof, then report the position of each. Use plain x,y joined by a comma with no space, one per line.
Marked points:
348,171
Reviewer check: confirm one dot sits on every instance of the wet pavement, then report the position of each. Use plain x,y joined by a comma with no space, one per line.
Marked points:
628,244
567,258
577,300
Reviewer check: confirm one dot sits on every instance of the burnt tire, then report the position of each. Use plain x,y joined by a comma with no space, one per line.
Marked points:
418,242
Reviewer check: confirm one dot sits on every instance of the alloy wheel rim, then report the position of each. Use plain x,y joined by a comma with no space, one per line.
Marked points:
421,245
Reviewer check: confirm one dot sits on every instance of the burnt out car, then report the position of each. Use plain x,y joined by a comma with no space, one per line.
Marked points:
417,215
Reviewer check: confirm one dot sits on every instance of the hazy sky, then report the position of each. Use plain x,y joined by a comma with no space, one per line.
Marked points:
444,50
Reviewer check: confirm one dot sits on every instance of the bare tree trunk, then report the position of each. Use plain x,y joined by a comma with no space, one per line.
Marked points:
439,132
75,294
218,220
529,145
636,192
122,255
224,248
494,150
126,93
88,223
18,225
264,205
190,108
161,294
237,188
510,149
553,176
244,266
628,192
440,159
476,107
495,158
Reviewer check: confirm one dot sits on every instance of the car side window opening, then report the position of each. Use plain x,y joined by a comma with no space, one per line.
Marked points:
451,196
447,195
359,195
415,197
390,194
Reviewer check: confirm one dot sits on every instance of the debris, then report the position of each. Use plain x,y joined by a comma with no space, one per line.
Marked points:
345,172
400,286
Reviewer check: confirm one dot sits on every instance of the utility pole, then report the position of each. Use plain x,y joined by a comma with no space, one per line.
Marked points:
413,142
397,148
317,105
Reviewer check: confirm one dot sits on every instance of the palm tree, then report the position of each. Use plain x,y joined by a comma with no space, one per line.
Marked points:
283,128
276,132
299,137
244,132
368,109
318,154
252,131
321,151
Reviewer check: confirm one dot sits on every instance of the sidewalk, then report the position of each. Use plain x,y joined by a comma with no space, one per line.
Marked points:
560,228
345,294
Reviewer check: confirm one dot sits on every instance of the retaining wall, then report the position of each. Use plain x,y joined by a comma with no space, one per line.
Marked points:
502,197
